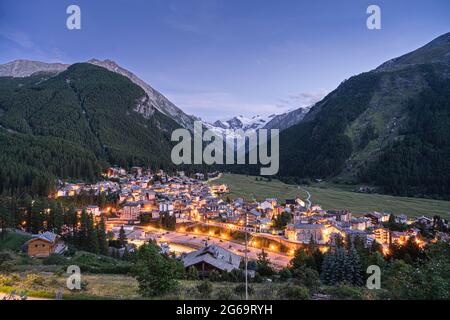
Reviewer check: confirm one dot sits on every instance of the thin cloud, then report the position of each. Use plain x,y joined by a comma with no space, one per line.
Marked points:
19,38
24,47
211,105
302,99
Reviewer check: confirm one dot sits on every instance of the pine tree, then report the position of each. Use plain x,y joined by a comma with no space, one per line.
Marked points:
71,220
26,204
82,232
37,216
356,267
339,273
56,220
328,265
92,237
101,234
122,237
264,265
349,272
6,218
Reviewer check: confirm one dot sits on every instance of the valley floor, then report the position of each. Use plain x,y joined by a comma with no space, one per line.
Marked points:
332,196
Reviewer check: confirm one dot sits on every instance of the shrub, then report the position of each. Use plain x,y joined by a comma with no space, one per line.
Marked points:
192,273
55,259
240,290
6,281
224,294
33,280
214,276
294,293
25,260
5,256
205,289
307,277
345,292
285,274
7,266
92,263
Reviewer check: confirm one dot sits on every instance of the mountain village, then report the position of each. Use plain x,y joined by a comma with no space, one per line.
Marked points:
201,210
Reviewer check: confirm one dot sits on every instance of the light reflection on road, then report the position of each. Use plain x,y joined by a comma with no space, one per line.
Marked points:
185,241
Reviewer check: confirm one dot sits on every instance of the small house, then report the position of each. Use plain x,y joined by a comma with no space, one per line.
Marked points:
43,245
211,258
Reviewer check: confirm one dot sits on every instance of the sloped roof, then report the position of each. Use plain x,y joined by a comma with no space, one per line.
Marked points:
46,236
213,255
308,226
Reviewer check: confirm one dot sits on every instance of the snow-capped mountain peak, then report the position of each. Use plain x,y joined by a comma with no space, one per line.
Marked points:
242,122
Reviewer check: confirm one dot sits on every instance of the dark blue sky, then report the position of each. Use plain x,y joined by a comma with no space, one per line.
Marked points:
216,58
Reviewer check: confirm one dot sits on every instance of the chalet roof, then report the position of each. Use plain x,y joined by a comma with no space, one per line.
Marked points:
46,236
213,255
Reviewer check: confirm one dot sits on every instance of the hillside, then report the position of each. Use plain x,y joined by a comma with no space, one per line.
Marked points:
72,124
387,127
156,99
332,197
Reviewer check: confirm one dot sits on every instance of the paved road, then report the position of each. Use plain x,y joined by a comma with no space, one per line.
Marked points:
279,260
308,199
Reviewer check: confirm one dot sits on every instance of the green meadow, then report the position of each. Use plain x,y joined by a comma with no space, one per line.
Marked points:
332,196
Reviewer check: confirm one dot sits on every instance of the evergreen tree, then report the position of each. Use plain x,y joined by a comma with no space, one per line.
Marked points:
263,264
328,265
340,268
82,232
6,218
302,258
156,273
101,234
122,237
57,217
37,216
26,204
356,267
71,220
92,244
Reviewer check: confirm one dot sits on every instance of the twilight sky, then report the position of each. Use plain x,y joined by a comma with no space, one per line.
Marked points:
220,58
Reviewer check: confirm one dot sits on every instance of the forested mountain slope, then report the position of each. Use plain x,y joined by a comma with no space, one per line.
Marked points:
72,124
389,127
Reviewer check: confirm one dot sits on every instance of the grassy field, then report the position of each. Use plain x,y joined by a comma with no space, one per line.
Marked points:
118,287
331,197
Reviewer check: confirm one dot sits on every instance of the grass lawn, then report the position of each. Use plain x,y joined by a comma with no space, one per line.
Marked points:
13,241
117,287
331,197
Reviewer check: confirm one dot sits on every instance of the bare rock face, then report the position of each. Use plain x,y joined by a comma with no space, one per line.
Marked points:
25,68
155,99
288,119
